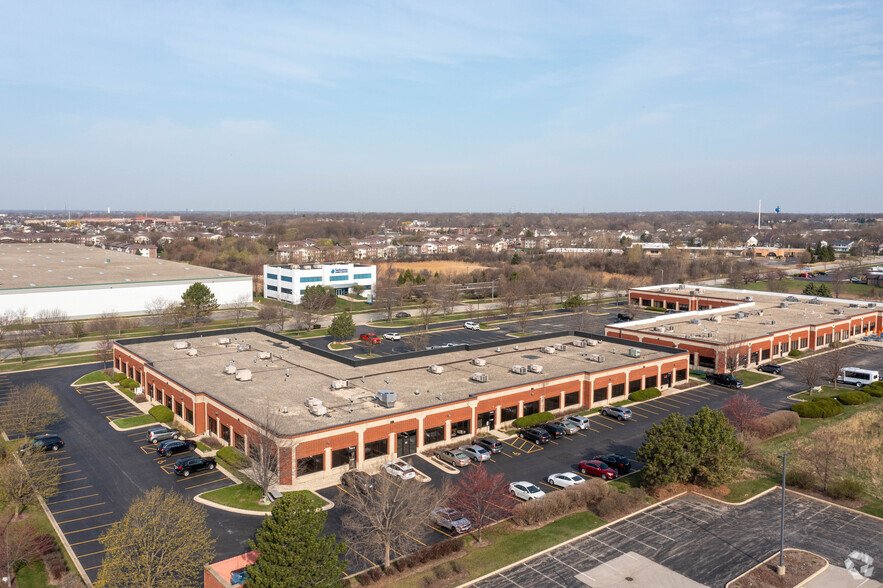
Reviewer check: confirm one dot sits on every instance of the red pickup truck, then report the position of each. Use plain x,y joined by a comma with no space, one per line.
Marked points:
371,338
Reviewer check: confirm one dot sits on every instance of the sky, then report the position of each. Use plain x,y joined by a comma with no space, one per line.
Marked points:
446,106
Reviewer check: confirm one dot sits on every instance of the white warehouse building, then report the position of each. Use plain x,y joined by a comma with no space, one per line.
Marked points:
88,281
288,282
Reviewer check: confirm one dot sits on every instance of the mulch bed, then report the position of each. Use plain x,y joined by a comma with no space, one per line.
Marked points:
799,565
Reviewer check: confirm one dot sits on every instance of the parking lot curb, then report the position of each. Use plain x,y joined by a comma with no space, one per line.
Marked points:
435,462
329,504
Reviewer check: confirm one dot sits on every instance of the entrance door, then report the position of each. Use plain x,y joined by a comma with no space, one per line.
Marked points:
407,443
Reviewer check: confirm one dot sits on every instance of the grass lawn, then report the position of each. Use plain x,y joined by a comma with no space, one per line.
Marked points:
825,392
35,576
340,346
47,361
507,545
341,305
91,378
127,392
796,287
750,378
135,421
246,496
745,489
32,576
627,482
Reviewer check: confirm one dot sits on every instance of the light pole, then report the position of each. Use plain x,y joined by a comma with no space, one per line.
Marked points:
781,568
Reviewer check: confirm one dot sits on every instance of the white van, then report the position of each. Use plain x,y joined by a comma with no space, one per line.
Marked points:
857,376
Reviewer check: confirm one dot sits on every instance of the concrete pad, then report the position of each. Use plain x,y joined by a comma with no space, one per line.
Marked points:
632,569
838,577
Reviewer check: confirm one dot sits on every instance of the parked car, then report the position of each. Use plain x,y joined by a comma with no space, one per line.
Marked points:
806,275
476,453
358,480
493,445
187,465
400,469
593,467
624,317
370,338
771,368
157,434
538,436
568,427
556,431
471,326
451,519
173,446
525,491
620,463
392,336
564,480
403,314
617,412
454,457
580,421
856,280
725,380
47,442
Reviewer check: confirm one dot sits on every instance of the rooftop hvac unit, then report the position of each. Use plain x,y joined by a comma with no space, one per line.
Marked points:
682,287
340,384
386,398
659,329
815,301
518,369
592,342
579,343
560,347
670,328
243,347
229,369
596,357
769,322
265,355
695,321
783,304
853,305
740,315
872,305
695,292
181,344
243,375
634,352
478,377
193,352
224,340
663,290
548,349
838,311
716,318
791,299
479,361
436,369
535,368
748,299
316,407
311,402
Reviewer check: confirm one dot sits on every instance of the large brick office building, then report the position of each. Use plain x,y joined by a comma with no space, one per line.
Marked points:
330,415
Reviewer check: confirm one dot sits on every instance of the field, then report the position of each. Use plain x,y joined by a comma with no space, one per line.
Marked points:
438,265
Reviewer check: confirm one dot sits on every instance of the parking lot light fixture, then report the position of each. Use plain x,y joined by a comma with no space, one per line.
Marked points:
781,568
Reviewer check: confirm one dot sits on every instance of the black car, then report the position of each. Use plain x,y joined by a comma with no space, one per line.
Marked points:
624,317
491,444
358,480
46,442
186,465
403,314
173,446
725,380
771,368
556,431
620,463
538,436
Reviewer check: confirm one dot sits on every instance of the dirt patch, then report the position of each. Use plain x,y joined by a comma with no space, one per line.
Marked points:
799,565
437,265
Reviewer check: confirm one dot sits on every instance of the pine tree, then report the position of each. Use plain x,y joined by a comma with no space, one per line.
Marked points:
292,550
342,327
199,301
666,452
716,448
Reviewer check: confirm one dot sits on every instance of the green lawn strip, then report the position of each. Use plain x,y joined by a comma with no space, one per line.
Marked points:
825,392
37,517
745,489
750,378
93,377
338,346
126,391
874,507
246,497
624,483
796,287
134,421
32,576
47,362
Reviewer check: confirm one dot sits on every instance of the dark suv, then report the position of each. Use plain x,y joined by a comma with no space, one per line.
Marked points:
491,444
538,436
44,443
725,380
173,446
359,480
620,463
624,317
556,431
157,434
186,465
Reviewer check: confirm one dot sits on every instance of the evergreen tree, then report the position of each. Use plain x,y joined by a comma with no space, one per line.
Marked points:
342,327
810,289
666,452
717,450
293,551
198,301
516,259
823,290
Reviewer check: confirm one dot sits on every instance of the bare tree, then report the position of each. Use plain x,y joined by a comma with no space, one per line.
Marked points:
811,372
271,312
427,309
240,307
509,298
53,327
524,307
731,354
482,497
161,312
263,449
18,546
32,475
742,410
78,329
104,351
834,361
381,520
825,455
29,408
387,293
417,340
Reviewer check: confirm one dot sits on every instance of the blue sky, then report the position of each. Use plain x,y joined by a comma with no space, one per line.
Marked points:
441,106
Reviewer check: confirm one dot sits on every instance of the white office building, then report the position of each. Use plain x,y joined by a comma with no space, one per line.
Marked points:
288,282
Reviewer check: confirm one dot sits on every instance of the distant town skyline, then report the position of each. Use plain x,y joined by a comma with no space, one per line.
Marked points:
441,107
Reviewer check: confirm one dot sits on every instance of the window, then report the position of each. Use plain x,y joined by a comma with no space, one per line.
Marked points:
254,450
169,402
117,363
794,345
486,419
553,402
341,457
819,340
828,339
764,354
671,305
179,408
213,425
461,428
650,382
634,386
618,390
804,343
188,415
681,375
508,413
531,407
571,398
272,277
338,278
286,278
434,435
272,288
362,277
599,394
225,433
239,441
311,464
706,361
377,448
308,279
286,290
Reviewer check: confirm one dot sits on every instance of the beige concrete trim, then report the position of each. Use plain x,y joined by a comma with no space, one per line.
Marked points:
435,462
746,572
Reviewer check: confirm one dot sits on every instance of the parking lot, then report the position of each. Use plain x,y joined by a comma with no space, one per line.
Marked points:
708,542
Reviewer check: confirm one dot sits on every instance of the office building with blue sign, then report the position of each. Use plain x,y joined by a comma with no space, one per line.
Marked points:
288,282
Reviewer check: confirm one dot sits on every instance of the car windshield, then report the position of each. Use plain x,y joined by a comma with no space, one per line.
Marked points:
531,488
459,455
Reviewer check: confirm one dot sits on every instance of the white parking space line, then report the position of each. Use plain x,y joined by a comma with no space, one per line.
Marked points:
536,571
630,538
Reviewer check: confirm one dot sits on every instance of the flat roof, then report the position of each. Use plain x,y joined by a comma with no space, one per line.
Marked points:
753,314
311,375
44,265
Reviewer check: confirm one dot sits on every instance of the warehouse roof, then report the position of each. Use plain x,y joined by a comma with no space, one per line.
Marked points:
44,265
291,375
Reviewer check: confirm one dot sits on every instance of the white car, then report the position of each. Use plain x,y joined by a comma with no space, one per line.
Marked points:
476,453
564,480
580,421
392,336
471,326
525,491
399,469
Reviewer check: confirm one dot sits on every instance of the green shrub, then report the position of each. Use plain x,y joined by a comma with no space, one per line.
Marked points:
233,456
800,479
820,408
119,377
655,308
795,353
162,413
129,383
533,419
846,488
645,394
853,397
875,389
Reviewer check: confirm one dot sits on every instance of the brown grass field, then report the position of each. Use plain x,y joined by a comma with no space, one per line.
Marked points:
438,265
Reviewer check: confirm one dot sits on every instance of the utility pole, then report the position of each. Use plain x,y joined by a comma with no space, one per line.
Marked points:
781,568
